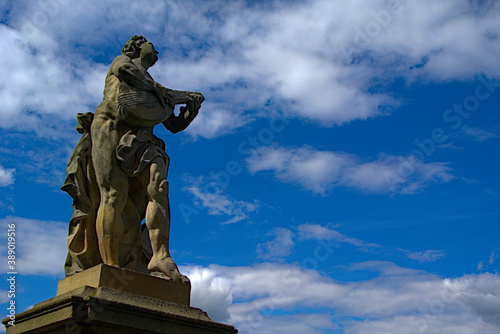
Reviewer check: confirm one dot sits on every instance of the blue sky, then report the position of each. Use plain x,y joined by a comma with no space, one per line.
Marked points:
341,177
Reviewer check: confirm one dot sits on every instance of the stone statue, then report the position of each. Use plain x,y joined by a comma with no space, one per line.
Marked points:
117,173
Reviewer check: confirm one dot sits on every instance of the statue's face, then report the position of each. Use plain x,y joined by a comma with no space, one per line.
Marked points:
149,53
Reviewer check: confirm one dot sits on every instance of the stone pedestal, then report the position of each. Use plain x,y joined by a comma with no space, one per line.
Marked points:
127,281
92,302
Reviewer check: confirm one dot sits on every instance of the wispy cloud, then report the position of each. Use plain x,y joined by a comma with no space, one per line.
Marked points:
483,265
493,257
430,255
279,248
6,176
320,171
284,240
480,266
209,195
310,231
38,160
3,296
319,232
478,133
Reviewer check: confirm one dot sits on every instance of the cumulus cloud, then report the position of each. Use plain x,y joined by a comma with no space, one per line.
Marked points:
320,171
210,195
6,176
42,89
295,50
318,60
480,294
40,246
51,86
266,296
210,292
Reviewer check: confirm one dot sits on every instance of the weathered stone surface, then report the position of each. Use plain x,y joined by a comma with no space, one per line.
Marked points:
120,277
127,281
108,311
117,173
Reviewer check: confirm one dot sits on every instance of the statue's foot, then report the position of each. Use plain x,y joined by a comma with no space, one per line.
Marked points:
166,269
160,275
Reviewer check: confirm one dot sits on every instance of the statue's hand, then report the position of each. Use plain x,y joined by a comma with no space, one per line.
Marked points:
186,113
192,107
198,97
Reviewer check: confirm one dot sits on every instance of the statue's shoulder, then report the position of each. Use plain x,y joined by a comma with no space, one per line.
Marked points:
117,64
121,60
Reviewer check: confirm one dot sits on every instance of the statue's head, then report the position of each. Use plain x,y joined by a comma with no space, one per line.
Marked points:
132,48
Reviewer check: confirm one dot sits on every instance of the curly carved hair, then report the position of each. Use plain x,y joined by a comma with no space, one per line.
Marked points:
132,48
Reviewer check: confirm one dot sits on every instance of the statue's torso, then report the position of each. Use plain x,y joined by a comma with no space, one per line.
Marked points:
136,107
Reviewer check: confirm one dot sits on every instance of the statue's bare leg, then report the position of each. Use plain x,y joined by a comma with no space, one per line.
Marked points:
109,225
158,221
113,188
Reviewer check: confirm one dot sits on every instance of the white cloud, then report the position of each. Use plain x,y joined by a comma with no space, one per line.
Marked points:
71,82
493,257
209,194
4,296
286,323
296,56
298,51
477,133
480,294
279,248
214,121
40,246
210,292
484,265
396,300
39,160
431,255
319,171
315,231
424,323
319,232
310,231
242,57
480,266
43,90
6,176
